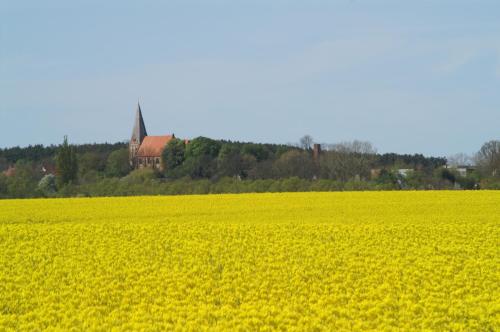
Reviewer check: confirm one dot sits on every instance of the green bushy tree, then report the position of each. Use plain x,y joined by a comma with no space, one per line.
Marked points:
118,164
201,154
231,162
174,154
66,164
203,146
24,182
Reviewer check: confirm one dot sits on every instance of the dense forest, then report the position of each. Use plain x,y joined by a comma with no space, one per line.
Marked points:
206,165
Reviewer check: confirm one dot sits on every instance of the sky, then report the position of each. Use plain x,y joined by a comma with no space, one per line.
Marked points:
408,76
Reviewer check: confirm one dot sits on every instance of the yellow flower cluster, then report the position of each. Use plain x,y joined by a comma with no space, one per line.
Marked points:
398,261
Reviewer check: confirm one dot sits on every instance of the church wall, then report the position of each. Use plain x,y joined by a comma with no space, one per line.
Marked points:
149,162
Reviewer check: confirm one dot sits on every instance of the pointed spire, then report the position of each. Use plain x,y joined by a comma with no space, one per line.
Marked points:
139,131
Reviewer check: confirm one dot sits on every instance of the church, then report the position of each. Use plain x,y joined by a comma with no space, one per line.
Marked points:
145,151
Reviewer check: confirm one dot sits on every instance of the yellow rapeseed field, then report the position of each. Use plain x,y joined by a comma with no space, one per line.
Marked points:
400,261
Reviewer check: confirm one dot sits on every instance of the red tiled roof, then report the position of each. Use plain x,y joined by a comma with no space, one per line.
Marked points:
11,171
152,146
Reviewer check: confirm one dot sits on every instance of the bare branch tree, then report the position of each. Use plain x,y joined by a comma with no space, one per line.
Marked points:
355,146
488,158
348,160
306,142
459,159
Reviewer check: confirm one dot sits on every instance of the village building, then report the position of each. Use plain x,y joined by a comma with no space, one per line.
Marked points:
462,170
146,151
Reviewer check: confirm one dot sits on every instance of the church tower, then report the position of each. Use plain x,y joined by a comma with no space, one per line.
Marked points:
138,135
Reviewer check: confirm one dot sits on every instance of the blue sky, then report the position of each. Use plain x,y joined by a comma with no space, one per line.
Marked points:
408,76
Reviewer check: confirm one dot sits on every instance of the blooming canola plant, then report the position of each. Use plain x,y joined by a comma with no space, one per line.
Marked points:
295,261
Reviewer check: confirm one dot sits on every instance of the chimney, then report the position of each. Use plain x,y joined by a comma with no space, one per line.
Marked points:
316,152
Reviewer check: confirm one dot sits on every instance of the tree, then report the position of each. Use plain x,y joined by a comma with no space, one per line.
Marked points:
360,147
139,176
4,164
118,164
295,163
174,154
306,142
386,178
66,163
24,182
201,154
262,170
447,175
3,186
259,151
488,159
90,161
231,162
202,166
459,159
47,185
348,160
203,146
415,161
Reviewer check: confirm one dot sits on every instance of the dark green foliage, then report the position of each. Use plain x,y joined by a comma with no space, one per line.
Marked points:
468,182
202,166
39,152
118,164
24,183
4,193
259,151
416,161
29,153
66,164
387,178
448,175
231,162
90,161
203,146
4,164
174,154
420,180
201,154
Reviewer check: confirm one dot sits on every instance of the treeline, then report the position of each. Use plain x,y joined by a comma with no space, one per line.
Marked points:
212,159
216,166
38,152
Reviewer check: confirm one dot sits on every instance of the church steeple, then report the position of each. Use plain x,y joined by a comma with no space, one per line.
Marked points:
138,135
139,131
